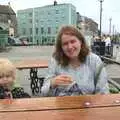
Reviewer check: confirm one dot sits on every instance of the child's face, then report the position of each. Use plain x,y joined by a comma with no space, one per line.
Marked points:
6,80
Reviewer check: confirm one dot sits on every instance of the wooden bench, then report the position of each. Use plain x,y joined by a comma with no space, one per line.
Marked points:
33,65
90,107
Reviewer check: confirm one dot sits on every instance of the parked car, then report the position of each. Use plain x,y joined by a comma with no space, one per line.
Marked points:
24,40
17,42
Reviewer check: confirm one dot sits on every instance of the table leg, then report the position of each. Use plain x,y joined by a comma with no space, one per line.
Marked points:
36,83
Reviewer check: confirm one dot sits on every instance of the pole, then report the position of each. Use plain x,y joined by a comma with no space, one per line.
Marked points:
113,30
113,33
100,17
110,26
33,28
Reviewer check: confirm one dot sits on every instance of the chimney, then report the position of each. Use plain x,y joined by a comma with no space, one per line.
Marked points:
55,3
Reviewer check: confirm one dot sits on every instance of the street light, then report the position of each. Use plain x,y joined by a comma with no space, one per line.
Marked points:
9,26
110,26
100,16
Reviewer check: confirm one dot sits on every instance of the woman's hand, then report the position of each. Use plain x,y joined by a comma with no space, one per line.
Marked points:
61,80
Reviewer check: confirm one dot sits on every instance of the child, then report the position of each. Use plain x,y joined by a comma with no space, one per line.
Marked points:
7,79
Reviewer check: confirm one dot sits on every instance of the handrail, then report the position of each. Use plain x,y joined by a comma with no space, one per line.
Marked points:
110,60
115,84
111,81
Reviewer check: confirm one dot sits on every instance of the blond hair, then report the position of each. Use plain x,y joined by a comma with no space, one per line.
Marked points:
7,68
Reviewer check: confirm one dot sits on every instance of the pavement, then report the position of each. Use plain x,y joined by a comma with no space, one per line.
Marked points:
113,71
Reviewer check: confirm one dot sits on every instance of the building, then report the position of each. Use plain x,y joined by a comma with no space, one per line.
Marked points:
8,25
41,24
88,27
8,19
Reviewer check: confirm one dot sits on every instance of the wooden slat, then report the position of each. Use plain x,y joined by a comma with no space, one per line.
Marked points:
107,113
36,63
54,103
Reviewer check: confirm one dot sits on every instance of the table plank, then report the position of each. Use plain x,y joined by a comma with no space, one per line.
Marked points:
105,113
53,103
31,63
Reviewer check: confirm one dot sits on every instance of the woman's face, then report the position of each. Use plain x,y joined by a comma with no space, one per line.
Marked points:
71,46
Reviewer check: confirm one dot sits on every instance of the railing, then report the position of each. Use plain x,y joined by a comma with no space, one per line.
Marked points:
99,48
114,86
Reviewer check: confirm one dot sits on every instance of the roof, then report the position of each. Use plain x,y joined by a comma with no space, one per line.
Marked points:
6,9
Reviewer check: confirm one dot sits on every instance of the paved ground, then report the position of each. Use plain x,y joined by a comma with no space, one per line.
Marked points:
113,71
28,52
31,52
42,52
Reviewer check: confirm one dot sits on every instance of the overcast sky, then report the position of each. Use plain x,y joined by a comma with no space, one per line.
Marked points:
89,8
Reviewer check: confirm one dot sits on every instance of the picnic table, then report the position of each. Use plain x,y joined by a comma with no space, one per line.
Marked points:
89,107
33,65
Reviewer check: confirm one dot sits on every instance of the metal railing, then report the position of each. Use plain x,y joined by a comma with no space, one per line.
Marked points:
114,86
99,48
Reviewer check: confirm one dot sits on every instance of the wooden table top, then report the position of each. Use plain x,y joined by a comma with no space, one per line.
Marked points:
105,113
54,103
89,107
31,63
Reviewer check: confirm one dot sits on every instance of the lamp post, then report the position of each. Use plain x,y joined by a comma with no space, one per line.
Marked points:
9,26
110,26
100,16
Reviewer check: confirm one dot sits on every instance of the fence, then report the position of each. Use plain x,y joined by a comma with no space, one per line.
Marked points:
3,39
100,49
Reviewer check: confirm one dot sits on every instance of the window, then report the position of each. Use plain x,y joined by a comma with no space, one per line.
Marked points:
57,21
57,11
36,31
30,20
24,31
56,29
48,13
30,14
36,20
42,30
30,30
49,30
31,39
36,13
49,21
41,21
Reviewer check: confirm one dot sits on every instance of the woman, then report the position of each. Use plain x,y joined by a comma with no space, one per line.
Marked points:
73,68
7,79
